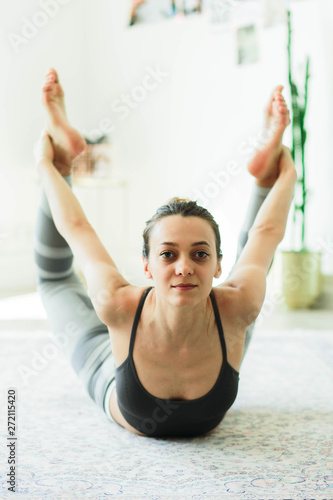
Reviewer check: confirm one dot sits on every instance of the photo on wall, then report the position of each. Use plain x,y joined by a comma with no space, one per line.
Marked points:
247,45
154,11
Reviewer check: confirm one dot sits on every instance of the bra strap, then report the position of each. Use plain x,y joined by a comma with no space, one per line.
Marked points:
137,318
219,325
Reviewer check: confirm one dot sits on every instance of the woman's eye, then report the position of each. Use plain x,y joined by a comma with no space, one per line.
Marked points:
167,255
198,255
202,255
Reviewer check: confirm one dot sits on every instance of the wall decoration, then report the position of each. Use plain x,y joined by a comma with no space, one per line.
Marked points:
247,44
149,11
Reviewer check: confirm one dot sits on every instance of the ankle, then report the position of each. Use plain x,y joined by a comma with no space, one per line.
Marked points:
266,183
64,169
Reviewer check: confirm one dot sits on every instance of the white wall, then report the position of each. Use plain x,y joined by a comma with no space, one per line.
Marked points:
326,213
200,117
60,44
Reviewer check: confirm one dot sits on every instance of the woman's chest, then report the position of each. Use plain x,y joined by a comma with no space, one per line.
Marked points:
167,373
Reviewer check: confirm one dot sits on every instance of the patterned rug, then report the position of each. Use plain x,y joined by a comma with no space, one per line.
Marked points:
275,442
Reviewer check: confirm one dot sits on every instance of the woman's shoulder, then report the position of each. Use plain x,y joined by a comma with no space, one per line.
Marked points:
230,304
225,295
120,309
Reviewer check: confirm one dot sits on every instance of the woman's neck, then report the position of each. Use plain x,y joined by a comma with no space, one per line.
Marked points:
180,326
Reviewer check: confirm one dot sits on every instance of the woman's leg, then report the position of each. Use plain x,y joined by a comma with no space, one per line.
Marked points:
77,330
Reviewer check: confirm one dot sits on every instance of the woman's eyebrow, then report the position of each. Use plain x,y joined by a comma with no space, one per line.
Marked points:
171,244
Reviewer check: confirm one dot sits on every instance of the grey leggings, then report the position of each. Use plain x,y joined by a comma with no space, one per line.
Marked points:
77,330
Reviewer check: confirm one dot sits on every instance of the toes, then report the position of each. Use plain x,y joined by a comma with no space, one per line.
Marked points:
51,78
280,99
54,74
280,104
47,87
48,83
276,96
277,91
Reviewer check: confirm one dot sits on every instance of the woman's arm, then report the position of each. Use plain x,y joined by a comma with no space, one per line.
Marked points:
250,271
65,208
100,272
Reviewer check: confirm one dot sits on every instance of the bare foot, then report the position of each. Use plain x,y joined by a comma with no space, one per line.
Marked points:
264,165
67,142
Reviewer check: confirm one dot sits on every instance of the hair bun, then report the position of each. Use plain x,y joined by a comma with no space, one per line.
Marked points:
179,200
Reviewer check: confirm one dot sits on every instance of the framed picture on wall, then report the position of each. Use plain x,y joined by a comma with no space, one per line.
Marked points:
219,11
150,11
247,44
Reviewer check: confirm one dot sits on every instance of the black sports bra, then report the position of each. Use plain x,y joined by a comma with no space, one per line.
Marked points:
157,417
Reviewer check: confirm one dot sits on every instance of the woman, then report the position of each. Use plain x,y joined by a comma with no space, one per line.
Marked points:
176,347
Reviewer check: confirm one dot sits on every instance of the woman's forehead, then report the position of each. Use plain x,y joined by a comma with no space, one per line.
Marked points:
177,228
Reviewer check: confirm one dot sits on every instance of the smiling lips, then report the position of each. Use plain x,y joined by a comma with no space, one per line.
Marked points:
184,286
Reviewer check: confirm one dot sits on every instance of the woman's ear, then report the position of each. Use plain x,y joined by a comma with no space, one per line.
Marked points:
146,269
219,268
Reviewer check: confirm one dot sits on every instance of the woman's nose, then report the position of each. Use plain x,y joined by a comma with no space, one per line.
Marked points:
184,267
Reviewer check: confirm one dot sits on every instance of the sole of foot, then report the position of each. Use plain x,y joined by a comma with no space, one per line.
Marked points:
264,164
67,142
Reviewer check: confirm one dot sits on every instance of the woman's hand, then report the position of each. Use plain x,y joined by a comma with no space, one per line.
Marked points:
43,149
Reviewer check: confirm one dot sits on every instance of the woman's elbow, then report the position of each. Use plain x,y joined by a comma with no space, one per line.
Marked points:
271,230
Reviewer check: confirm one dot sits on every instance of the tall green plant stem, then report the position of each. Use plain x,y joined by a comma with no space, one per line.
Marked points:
298,137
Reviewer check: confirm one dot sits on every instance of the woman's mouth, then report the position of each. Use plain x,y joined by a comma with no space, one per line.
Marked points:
184,286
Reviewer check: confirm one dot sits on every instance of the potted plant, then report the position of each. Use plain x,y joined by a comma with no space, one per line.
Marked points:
301,268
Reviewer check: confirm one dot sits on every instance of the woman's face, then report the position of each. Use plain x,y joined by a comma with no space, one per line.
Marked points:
182,259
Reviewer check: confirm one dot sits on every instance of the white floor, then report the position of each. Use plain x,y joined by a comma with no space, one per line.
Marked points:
275,442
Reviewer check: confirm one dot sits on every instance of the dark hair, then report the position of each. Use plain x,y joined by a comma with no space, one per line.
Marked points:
185,208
